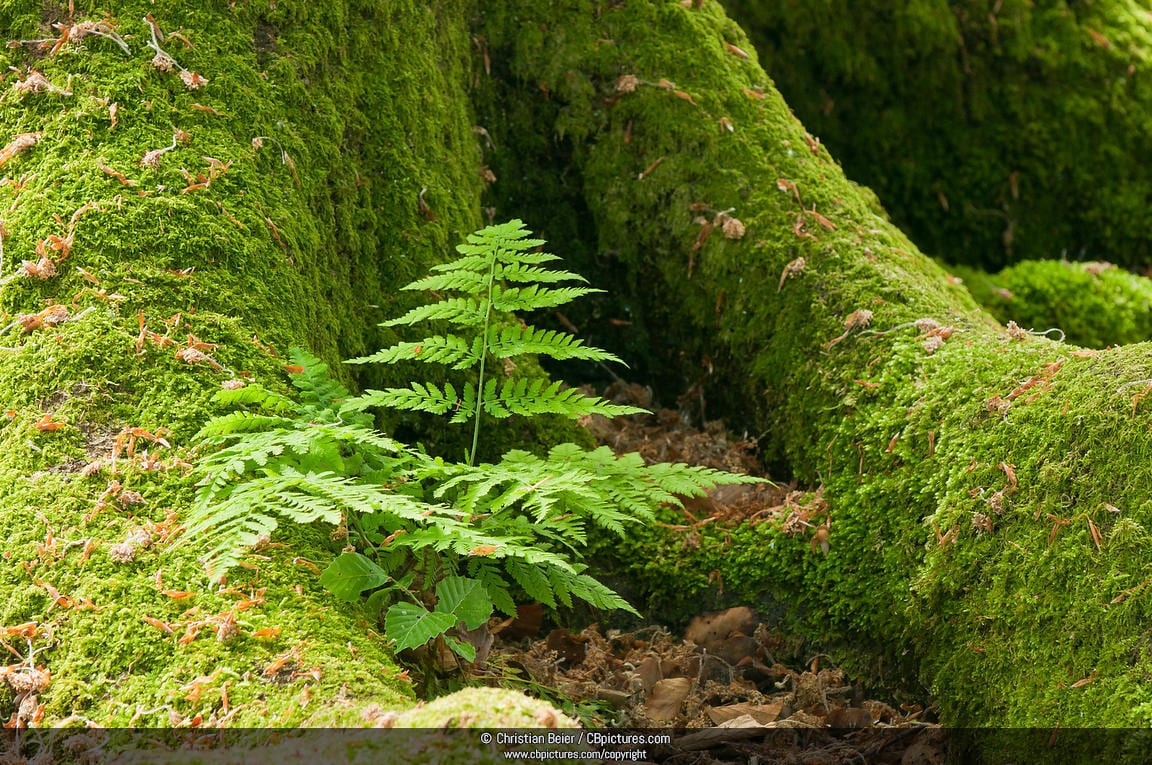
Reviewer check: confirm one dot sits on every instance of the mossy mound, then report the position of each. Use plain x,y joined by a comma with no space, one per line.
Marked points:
181,223
992,134
439,736
1091,304
986,495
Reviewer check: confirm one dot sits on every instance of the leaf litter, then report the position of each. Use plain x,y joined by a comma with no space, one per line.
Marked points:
732,687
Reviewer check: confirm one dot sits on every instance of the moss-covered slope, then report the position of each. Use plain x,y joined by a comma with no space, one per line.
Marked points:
986,495
319,153
1091,304
992,131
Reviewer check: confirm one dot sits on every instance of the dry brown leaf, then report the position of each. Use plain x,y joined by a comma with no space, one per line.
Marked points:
710,630
761,713
666,698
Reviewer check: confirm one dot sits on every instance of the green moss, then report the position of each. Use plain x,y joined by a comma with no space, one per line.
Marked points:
991,134
1093,304
300,247
911,433
442,736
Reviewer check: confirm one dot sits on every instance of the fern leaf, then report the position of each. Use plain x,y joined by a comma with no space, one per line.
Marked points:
510,236
466,406
254,394
450,350
235,423
314,381
230,543
459,276
475,259
253,449
467,312
421,397
361,436
532,580
691,480
489,575
230,526
530,397
518,341
524,273
534,297
594,593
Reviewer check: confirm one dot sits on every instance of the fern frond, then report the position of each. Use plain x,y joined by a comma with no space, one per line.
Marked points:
534,297
523,273
463,539
539,396
519,341
510,236
567,531
556,495
457,276
589,590
359,436
236,423
254,450
466,312
450,350
254,394
239,525
690,480
420,397
477,259
489,575
532,580
225,521
314,382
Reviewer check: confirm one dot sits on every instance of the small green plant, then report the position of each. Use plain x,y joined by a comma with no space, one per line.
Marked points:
438,544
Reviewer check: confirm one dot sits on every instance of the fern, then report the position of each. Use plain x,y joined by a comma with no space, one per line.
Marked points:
477,535
492,258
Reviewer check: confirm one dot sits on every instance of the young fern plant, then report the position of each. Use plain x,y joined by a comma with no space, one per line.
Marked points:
440,545
500,272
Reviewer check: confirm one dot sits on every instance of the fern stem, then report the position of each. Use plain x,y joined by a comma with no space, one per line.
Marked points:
483,359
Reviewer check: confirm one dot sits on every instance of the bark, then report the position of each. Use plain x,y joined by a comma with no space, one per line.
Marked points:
986,493
993,133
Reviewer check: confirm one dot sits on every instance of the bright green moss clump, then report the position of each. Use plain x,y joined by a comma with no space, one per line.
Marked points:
992,132
1093,304
284,205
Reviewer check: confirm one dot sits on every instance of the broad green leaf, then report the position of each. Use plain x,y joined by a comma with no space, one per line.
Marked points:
464,598
467,650
351,574
411,625
378,600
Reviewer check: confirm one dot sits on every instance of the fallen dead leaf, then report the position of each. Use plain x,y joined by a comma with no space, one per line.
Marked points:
666,698
711,630
761,713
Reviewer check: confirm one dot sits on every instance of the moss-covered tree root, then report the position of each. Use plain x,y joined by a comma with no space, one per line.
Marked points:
993,132
257,175
987,495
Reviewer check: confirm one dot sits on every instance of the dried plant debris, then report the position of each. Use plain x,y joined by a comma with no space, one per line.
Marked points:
733,687
723,688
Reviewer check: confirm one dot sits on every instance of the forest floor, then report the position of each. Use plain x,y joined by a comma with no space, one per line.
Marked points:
732,687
